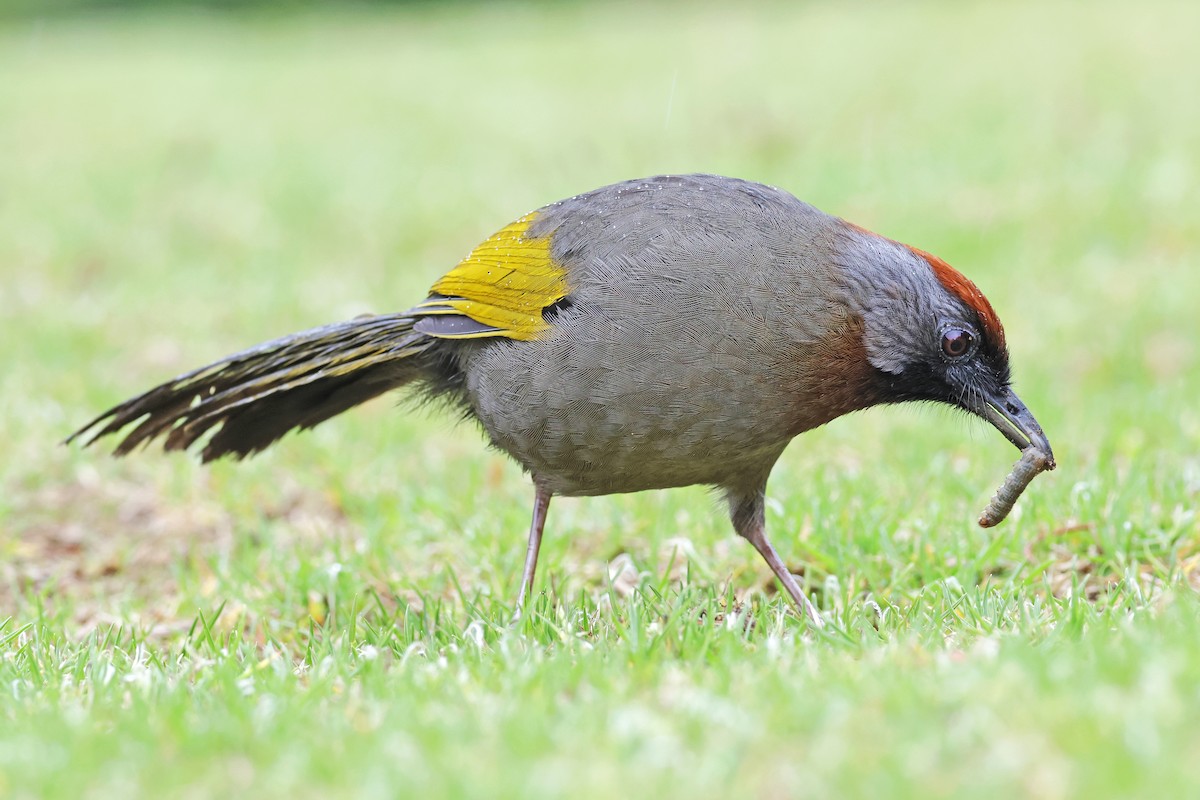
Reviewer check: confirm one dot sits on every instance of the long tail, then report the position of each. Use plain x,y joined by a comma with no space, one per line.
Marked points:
258,395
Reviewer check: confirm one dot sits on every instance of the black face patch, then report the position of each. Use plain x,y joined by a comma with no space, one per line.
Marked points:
938,381
917,381
992,356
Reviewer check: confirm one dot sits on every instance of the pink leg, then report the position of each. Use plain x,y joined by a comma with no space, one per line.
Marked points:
749,520
541,503
758,537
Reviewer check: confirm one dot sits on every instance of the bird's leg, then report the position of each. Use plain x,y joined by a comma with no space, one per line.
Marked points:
541,502
749,520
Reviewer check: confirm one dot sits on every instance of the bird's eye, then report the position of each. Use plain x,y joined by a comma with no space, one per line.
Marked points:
956,342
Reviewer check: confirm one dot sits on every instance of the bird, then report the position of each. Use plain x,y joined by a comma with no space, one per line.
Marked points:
663,332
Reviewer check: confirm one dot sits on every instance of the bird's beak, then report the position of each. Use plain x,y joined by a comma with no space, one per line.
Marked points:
1010,416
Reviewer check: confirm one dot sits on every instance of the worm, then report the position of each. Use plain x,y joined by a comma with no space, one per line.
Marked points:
1032,462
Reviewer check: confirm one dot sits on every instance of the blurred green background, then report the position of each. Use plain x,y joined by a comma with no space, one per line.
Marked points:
180,181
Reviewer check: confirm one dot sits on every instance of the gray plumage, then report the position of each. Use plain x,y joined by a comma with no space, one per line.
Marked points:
707,321
692,300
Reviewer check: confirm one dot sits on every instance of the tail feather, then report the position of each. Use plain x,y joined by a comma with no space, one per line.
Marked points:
258,395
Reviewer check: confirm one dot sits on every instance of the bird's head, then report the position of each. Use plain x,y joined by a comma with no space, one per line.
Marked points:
930,334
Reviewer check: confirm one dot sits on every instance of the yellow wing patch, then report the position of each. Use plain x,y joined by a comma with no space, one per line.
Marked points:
504,284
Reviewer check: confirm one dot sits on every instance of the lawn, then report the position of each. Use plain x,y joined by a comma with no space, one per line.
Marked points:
331,618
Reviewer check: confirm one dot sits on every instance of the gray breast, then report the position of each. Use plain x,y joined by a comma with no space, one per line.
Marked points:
692,307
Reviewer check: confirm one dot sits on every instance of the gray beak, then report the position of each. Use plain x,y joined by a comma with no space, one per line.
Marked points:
1010,416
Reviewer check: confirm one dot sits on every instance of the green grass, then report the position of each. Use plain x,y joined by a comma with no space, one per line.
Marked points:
331,618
